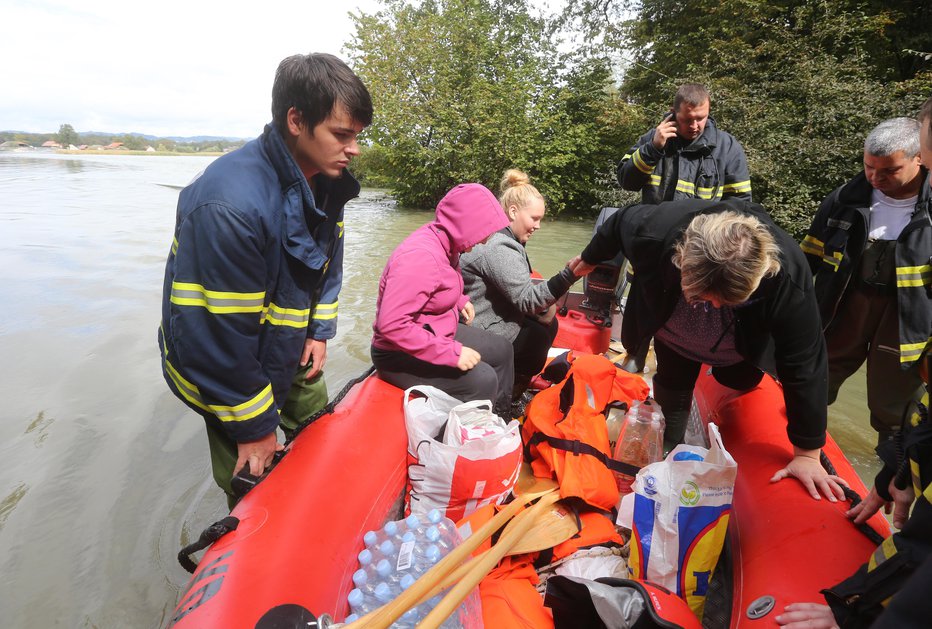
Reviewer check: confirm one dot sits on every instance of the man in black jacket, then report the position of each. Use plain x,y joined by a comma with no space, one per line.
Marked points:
869,248
719,283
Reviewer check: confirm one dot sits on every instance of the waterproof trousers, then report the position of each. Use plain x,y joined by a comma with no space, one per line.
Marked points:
305,398
866,327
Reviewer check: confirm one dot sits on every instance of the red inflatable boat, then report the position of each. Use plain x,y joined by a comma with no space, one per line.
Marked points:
291,556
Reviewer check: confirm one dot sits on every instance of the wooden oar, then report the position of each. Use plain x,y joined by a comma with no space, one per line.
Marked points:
550,528
529,484
388,613
487,561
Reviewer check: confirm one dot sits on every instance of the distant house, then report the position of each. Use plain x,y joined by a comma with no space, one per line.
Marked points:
114,146
149,149
51,144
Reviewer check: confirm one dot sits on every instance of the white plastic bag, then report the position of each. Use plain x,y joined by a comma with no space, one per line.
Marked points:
681,510
475,464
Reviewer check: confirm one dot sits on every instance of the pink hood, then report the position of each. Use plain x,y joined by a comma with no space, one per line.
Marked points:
421,289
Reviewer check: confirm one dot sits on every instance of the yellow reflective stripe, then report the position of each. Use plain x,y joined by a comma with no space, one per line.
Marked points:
326,311
216,302
833,260
738,187
685,187
813,246
187,389
253,407
640,164
911,276
340,227
912,351
174,245
291,317
708,193
886,550
655,180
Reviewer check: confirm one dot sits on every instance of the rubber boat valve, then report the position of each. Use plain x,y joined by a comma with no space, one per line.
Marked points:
760,607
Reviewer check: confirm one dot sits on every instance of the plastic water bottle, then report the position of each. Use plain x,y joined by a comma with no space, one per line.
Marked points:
383,594
361,581
613,422
356,600
640,441
365,557
370,539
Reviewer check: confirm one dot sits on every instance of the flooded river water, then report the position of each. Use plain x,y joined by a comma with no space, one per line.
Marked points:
103,473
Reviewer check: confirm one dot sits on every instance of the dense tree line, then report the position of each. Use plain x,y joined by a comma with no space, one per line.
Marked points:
466,88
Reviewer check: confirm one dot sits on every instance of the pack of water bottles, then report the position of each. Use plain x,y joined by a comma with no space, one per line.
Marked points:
395,557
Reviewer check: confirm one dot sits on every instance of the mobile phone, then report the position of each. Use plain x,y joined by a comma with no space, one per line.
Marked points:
670,115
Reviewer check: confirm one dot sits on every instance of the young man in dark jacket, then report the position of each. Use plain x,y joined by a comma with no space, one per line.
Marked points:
256,263
869,248
719,283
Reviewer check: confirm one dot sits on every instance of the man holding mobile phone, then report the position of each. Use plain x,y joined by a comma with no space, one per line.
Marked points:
686,156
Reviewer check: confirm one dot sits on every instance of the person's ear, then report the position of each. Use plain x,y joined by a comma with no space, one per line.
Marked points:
512,211
295,121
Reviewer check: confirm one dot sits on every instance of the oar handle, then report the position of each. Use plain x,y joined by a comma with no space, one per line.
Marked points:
485,563
384,616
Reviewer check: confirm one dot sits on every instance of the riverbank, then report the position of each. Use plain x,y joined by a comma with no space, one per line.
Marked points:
128,152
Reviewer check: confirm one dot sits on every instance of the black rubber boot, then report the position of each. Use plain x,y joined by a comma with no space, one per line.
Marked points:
675,405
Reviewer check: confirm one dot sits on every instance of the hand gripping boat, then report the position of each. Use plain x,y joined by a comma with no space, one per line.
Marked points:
286,556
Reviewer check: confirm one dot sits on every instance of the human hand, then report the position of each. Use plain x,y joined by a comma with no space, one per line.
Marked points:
808,616
664,131
317,351
902,501
468,313
807,469
579,267
469,358
872,502
257,454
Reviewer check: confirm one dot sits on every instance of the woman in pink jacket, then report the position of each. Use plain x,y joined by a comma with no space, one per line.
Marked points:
421,333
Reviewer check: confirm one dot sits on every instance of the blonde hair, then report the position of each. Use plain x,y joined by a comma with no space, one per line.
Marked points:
516,189
725,255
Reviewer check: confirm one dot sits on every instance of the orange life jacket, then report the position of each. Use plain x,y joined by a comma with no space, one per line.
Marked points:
565,434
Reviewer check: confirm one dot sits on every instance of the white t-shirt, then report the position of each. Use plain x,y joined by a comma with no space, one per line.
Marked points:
889,216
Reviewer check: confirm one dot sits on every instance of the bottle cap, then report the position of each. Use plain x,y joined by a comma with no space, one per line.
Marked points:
370,538
355,597
408,536
351,618
384,568
432,534
365,557
413,521
406,581
434,516
432,553
360,578
383,593
387,548
391,529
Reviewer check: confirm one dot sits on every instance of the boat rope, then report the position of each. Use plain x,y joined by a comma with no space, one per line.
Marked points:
244,482
326,410
855,499
208,536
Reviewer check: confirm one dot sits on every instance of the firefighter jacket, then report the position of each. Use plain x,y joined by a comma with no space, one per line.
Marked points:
897,575
776,330
837,238
254,270
713,166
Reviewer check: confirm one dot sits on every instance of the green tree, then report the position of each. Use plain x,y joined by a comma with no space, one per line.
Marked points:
464,89
798,82
67,135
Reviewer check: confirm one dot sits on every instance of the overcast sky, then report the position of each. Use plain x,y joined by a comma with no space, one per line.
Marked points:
166,68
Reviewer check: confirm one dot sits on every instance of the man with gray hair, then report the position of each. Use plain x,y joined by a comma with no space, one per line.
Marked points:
869,249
